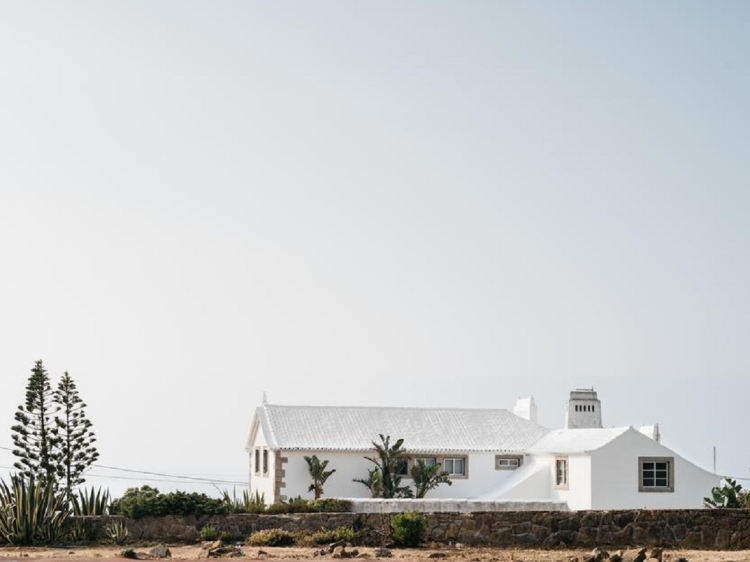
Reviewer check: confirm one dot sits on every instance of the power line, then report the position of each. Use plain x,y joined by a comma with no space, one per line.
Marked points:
182,478
195,478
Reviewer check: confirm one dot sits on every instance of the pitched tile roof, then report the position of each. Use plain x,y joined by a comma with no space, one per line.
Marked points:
424,430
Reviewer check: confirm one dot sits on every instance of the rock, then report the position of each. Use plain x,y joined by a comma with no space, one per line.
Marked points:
353,553
598,554
160,551
681,560
635,556
364,555
616,557
262,552
340,552
657,553
437,555
382,553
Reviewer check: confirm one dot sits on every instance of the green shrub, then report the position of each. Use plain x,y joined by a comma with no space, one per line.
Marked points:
271,537
211,533
325,536
149,502
408,529
294,507
330,505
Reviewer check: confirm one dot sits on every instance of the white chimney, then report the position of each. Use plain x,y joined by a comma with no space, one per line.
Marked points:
526,408
651,431
584,410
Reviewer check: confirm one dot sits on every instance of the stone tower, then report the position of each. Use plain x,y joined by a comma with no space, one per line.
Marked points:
584,410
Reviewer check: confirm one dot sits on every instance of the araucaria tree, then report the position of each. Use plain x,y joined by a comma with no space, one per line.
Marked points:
35,434
77,451
384,481
318,473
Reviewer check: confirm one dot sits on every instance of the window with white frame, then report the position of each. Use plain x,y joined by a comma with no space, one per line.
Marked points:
428,461
257,460
265,461
561,473
656,474
508,462
455,466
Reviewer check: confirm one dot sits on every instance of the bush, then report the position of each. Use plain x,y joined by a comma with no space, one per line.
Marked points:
149,502
271,537
330,505
294,507
324,536
211,533
408,529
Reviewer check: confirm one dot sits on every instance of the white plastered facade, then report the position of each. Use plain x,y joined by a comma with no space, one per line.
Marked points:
603,465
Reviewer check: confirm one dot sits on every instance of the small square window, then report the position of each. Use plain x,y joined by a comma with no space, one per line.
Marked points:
656,474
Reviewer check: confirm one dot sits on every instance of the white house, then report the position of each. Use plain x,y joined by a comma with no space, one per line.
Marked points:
489,454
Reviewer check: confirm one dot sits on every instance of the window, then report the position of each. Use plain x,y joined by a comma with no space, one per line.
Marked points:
656,474
257,460
265,461
561,473
402,467
505,462
428,461
455,466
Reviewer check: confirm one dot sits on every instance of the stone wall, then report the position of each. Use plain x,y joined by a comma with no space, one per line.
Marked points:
371,505
689,529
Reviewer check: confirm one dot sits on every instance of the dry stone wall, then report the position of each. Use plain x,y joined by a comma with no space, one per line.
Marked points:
687,529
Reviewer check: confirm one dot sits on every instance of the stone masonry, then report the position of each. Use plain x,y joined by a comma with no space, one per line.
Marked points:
688,529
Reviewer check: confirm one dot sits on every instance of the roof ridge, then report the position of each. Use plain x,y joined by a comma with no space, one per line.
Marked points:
269,423
447,408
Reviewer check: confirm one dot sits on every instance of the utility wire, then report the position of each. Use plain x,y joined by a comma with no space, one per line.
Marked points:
182,478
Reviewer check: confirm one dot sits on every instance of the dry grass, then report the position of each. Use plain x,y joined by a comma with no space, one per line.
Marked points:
195,552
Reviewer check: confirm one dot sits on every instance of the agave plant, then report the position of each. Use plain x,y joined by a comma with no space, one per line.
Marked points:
93,501
245,503
117,532
31,512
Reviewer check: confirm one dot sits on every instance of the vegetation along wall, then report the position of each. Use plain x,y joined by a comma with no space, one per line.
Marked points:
689,529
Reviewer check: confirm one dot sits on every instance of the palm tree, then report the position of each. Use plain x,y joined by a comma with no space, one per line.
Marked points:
426,477
318,473
384,480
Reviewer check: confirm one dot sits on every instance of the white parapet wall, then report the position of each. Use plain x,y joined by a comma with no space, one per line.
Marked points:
360,505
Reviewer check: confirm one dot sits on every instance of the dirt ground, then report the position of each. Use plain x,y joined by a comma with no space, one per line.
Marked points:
195,552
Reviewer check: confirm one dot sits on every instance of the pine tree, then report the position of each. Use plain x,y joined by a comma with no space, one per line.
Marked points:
35,435
77,449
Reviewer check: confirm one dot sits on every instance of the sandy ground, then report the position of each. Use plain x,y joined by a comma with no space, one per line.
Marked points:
96,554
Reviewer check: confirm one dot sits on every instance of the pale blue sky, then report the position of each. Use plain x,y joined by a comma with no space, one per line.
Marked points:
423,203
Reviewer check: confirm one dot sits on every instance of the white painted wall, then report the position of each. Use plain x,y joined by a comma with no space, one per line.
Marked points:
615,477
482,476
578,492
259,482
